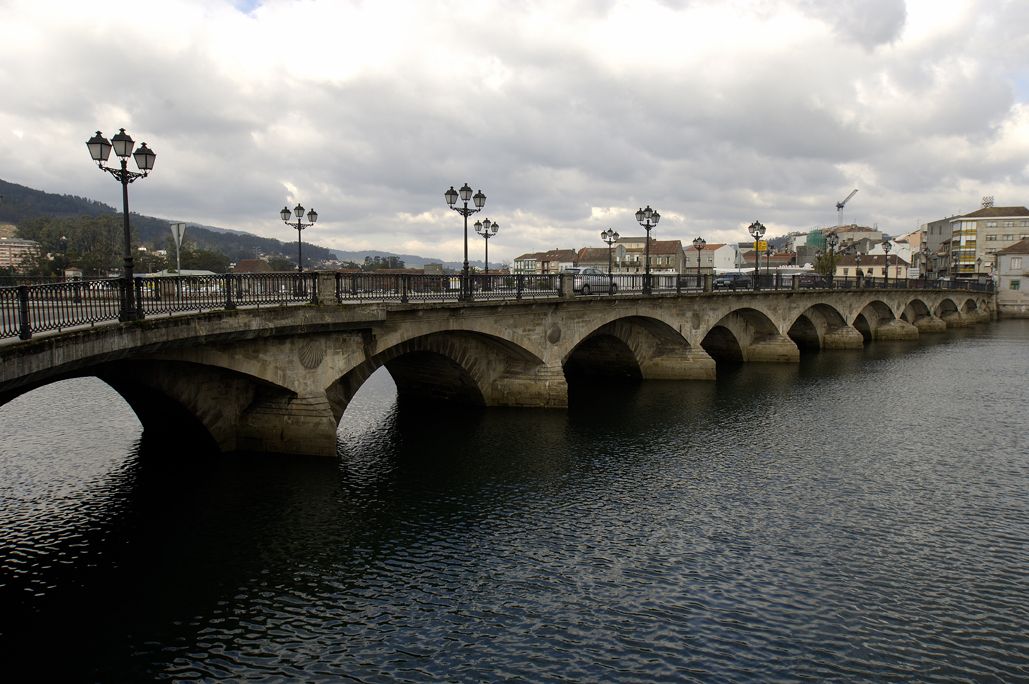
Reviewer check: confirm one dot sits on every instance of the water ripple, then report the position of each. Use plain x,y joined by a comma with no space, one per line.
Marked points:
832,521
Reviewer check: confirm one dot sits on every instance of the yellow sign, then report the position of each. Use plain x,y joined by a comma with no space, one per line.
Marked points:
762,245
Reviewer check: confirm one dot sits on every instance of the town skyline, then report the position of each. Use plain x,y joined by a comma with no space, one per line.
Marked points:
568,117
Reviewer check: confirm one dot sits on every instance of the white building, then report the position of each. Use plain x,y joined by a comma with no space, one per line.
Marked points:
714,258
1013,280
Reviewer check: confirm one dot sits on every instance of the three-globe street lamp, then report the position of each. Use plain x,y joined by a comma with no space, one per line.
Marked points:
486,229
479,199
100,150
647,218
831,240
925,262
886,270
299,225
756,229
610,236
698,244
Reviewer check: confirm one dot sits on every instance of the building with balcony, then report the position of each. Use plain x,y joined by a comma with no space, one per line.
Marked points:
978,237
15,251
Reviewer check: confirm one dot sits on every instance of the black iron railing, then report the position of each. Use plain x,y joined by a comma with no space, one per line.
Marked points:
200,293
30,307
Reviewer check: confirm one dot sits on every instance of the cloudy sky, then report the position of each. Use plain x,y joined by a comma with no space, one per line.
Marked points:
568,115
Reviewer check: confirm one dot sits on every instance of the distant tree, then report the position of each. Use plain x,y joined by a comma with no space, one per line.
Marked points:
150,262
280,263
826,263
93,243
199,259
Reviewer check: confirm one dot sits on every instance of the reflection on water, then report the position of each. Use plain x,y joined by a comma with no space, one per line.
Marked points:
859,515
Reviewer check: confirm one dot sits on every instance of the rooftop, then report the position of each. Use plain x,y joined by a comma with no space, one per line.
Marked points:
995,212
1020,247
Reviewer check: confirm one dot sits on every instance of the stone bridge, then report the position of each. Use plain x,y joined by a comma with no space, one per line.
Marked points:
278,380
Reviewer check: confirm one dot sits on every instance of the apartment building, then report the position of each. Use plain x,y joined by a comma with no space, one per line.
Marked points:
13,251
978,237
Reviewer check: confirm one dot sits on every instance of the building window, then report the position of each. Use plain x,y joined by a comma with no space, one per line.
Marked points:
1014,284
991,224
1009,224
991,237
1016,262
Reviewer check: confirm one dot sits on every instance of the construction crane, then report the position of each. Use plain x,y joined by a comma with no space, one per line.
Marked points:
839,207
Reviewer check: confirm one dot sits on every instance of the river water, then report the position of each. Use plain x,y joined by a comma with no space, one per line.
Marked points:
864,515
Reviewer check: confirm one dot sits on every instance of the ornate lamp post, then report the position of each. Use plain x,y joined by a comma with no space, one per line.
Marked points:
831,240
886,248
857,265
698,244
647,218
756,230
610,236
925,262
100,150
978,266
479,199
299,225
486,229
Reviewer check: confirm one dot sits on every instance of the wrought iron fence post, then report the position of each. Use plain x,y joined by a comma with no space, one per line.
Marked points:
137,286
519,285
405,285
314,286
25,329
229,304
678,283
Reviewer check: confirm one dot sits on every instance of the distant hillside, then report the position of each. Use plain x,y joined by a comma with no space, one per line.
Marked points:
410,260
21,204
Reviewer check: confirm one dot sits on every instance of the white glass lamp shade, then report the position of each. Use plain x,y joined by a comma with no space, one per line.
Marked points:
145,158
122,143
99,148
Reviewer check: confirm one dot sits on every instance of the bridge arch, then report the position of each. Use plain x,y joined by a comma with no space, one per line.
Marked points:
915,311
635,348
809,329
194,401
748,334
457,366
872,317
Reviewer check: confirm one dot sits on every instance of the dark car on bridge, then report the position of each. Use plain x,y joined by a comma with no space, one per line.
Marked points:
733,281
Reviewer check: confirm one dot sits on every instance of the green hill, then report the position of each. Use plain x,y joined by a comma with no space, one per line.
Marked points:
23,206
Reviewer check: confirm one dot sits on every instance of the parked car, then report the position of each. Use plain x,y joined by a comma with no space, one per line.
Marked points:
589,280
733,281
